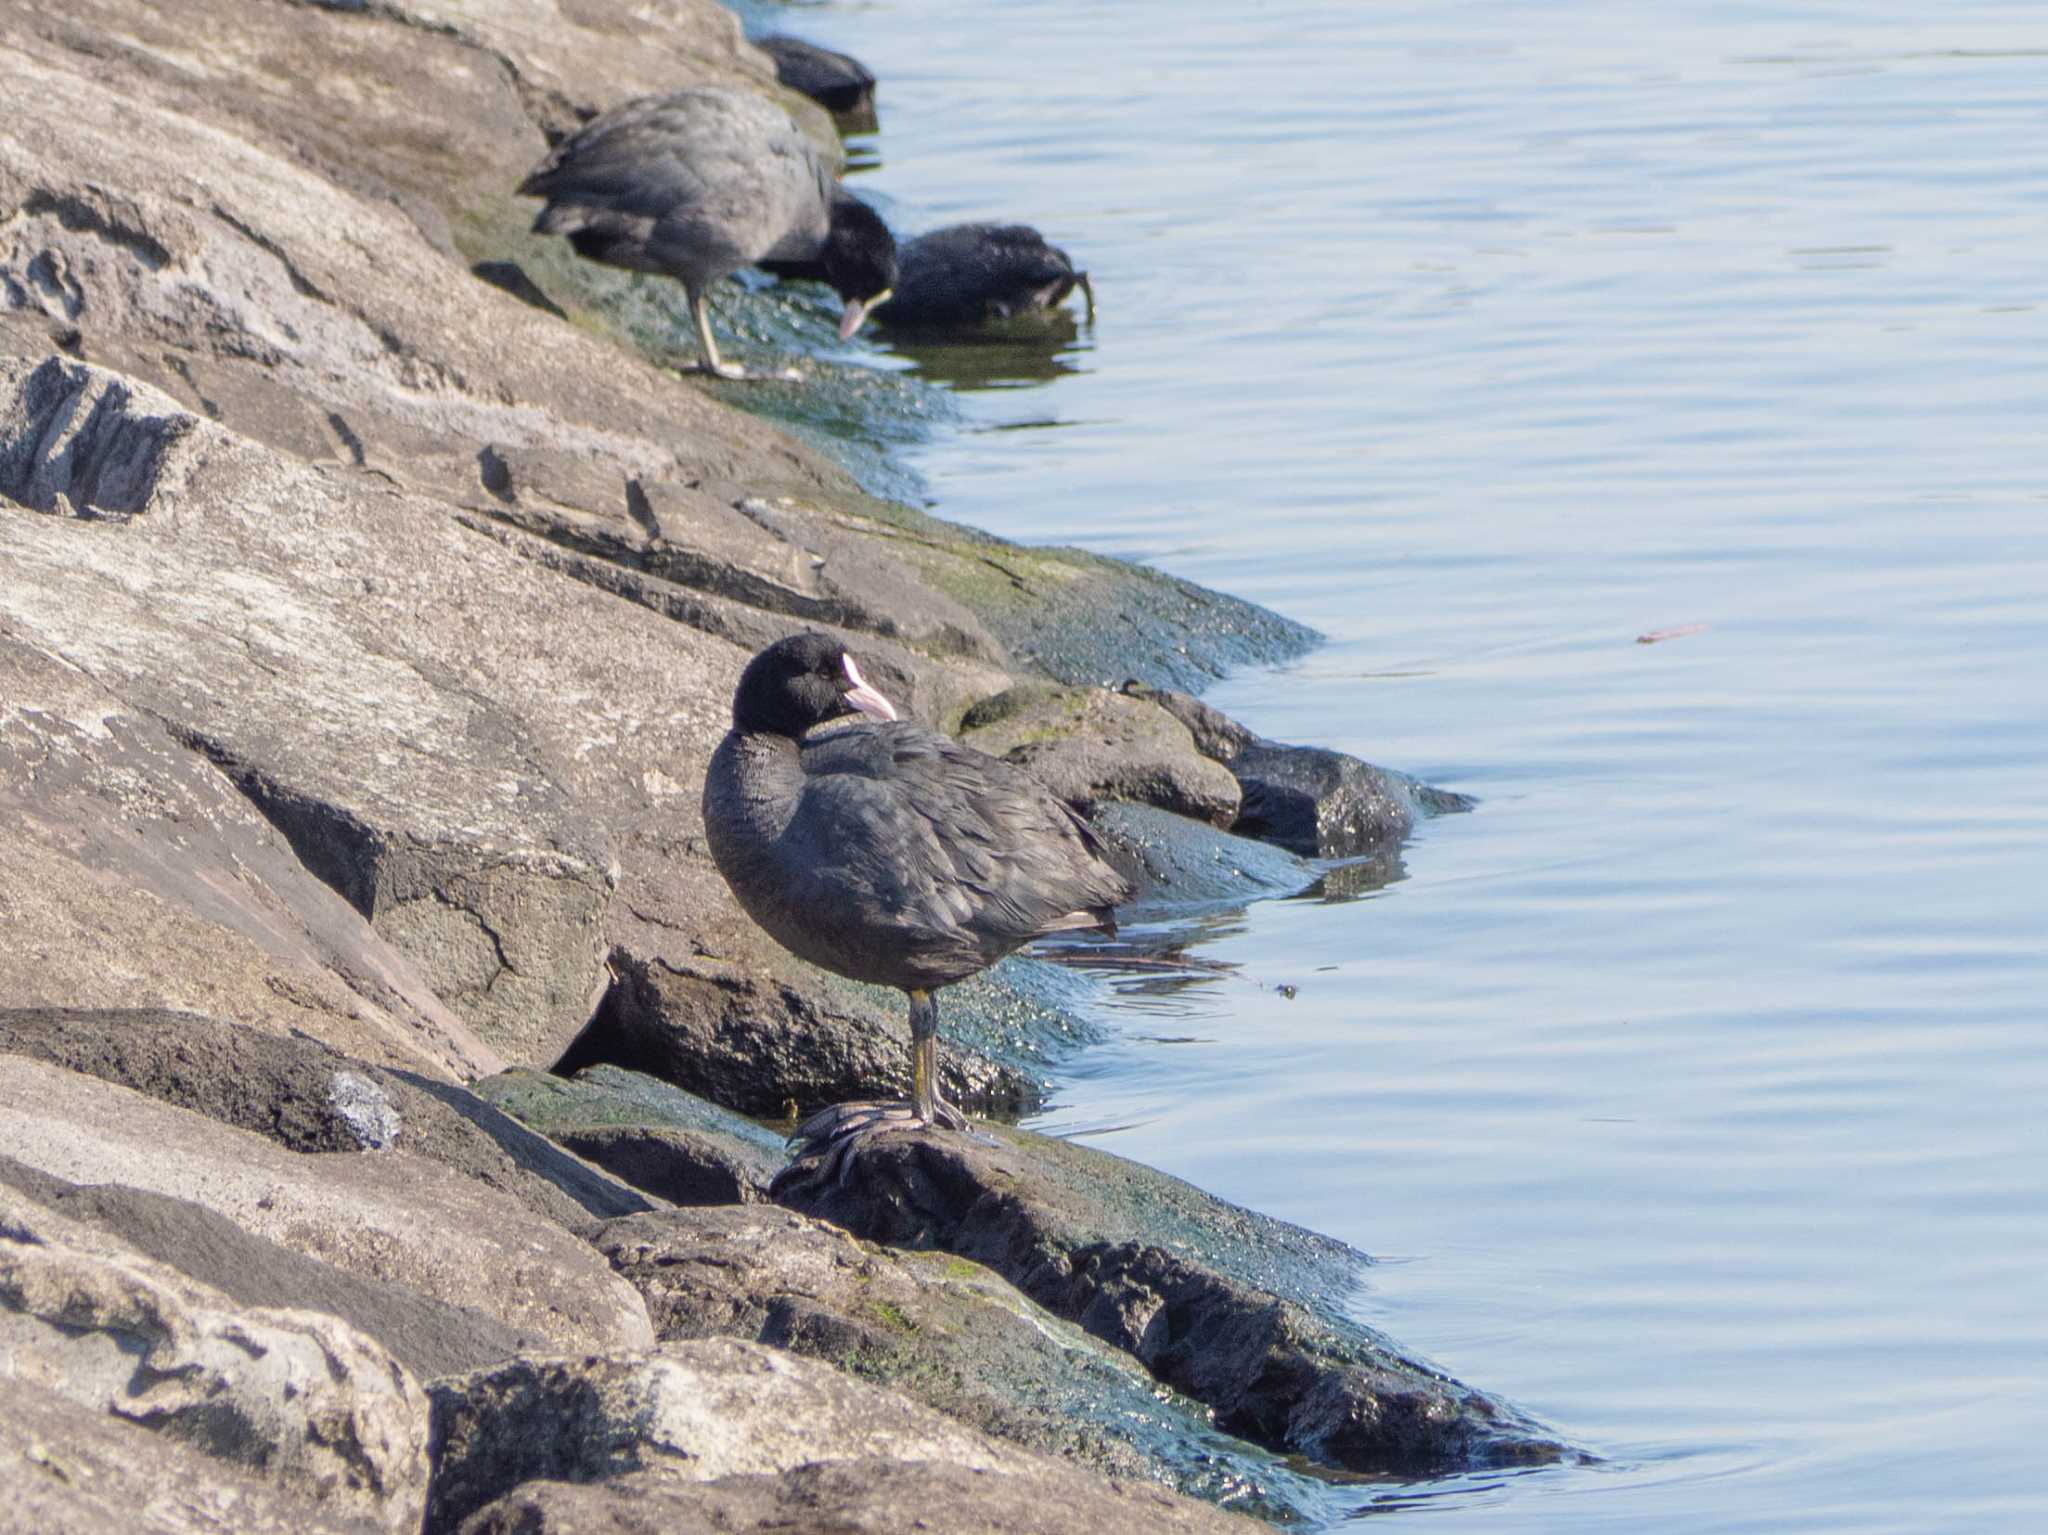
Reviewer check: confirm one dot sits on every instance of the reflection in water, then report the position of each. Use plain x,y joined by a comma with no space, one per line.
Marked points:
1361,877
1019,353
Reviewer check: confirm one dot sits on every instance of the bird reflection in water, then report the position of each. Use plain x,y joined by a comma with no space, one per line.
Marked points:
1020,353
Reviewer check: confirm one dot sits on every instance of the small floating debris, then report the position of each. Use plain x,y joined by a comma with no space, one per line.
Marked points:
1658,636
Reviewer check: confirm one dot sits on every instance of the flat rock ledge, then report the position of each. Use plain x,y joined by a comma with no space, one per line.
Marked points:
1170,1276
661,1424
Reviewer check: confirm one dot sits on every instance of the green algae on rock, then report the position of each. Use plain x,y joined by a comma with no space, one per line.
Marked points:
1238,1310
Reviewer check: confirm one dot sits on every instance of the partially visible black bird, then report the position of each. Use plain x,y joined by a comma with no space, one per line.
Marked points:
836,82
888,852
704,181
965,274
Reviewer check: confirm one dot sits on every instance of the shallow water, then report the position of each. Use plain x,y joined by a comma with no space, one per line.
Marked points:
1691,1088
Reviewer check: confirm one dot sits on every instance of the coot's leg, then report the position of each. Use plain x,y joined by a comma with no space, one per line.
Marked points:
924,1066
836,1128
712,362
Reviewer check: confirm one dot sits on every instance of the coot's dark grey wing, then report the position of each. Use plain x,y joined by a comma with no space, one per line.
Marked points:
695,183
970,272
965,856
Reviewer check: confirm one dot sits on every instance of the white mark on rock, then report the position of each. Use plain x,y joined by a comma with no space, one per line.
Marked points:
364,1107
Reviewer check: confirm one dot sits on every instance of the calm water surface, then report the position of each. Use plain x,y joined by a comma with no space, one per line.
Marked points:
1692,1089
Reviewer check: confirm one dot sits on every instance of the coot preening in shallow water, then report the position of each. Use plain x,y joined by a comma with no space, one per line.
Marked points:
702,182
834,81
967,273
888,852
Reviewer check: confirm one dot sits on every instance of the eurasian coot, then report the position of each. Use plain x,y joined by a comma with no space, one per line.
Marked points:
701,182
967,273
888,852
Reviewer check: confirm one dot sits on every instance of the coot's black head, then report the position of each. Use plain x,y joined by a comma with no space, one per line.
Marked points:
859,259
800,682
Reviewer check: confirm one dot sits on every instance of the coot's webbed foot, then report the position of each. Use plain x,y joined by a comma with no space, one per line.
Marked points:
851,1119
717,366
733,372
830,1133
831,1138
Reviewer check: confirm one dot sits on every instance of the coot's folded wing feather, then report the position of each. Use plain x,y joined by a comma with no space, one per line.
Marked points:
707,179
956,844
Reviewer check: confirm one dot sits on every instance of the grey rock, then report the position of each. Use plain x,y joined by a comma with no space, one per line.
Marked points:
388,1215
428,1337
1311,800
946,1332
306,1097
304,1397
857,1497
646,1132
320,691
688,1412
1090,744
68,1469
1234,1309
781,555
134,873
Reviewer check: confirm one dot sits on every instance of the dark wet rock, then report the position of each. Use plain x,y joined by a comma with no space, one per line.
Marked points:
1237,1310
1308,799
316,1406
750,1044
1324,804
858,1497
684,1412
1090,744
306,1097
946,1332
384,1215
426,1336
1174,863
69,1469
645,1131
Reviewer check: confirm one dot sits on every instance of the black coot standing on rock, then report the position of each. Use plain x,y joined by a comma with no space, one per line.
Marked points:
701,182
888,852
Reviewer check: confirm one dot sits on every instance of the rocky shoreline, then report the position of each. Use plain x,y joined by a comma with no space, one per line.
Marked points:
375,1034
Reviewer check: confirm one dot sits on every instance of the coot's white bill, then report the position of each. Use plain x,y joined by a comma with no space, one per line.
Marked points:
857,310
864,697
